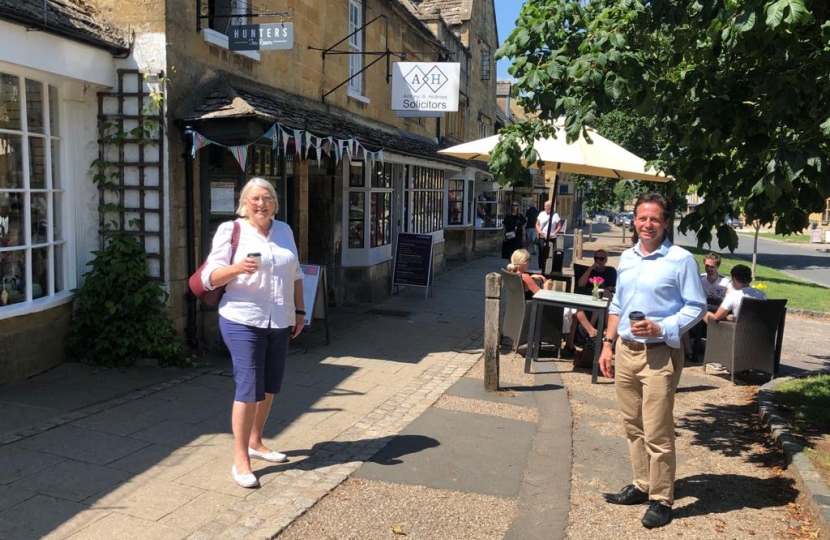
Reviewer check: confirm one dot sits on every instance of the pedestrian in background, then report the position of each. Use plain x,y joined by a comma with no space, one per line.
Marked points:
261,310
659,297
514,231
531,216
548,226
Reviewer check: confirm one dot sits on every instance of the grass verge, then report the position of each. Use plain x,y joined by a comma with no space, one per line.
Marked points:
800,294
805,404
791,238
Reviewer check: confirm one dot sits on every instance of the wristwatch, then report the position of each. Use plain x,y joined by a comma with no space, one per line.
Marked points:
608,340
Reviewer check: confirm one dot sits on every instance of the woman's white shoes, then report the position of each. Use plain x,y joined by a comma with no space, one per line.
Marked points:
247,480
273,456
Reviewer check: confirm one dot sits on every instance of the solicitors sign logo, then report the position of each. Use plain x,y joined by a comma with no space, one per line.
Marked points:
425,86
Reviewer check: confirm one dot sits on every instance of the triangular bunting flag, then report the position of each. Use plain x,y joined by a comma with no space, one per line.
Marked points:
199,142
240,153
285,137
298,142
308,145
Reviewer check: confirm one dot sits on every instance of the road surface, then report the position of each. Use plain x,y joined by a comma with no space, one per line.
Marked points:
807,261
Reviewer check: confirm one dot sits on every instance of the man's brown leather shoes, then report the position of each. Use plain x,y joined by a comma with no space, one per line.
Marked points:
627,495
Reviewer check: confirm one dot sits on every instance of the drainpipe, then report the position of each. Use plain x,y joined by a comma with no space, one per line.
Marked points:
190,330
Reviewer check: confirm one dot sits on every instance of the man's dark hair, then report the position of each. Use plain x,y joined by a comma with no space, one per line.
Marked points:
742,274
712,256
654,198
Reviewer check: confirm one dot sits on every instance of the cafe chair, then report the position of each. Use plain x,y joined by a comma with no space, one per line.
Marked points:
753,342
517,314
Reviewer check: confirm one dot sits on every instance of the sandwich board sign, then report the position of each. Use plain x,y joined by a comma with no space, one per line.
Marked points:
314,295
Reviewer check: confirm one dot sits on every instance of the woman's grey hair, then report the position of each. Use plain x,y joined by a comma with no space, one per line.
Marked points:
256,181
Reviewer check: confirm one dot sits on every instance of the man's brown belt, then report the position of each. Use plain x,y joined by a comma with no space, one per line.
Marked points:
637,346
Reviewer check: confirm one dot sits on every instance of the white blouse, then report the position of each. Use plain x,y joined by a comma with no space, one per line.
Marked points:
264,299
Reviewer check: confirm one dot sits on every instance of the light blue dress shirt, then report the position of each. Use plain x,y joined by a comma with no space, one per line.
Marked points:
665,285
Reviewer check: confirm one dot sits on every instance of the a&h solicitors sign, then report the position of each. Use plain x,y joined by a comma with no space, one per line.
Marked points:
425,86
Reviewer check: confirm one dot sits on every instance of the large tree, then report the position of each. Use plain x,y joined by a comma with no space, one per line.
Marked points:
739,92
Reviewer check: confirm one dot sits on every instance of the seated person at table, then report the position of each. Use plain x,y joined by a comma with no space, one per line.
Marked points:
741,278
519,263
715,285
609,284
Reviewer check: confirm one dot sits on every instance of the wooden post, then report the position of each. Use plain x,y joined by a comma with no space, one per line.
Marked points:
492,331
577,244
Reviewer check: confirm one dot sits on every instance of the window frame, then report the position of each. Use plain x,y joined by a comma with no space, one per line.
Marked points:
363,187
485,63
355,87
467,190
220,39
56,240
498,203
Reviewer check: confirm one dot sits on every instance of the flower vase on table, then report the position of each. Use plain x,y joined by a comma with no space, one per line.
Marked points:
597,282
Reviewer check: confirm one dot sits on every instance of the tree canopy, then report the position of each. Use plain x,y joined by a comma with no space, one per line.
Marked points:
737,92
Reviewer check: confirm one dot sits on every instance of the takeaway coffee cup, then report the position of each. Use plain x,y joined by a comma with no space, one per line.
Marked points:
257,257
635,316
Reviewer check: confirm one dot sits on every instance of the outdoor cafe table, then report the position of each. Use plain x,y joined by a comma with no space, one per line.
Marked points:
561,300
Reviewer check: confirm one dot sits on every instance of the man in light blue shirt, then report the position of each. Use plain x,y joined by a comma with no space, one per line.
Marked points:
660,281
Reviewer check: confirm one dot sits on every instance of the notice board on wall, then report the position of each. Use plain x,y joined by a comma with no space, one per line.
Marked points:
413,260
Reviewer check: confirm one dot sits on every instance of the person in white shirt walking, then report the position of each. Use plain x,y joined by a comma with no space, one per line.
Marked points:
548,225
261,310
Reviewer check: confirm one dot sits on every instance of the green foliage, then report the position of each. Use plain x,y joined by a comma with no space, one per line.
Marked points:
738,94
120,314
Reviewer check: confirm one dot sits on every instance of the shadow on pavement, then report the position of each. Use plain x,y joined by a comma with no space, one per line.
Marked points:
722,493
728,429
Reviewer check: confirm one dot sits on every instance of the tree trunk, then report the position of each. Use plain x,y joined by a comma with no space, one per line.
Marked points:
757,226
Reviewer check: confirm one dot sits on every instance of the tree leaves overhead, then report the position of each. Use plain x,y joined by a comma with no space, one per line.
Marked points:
738,93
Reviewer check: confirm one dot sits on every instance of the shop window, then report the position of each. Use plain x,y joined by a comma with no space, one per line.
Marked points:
459,202
424,200
372,185
32,201
490,208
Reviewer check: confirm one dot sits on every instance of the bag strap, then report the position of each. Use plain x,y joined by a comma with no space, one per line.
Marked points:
237,230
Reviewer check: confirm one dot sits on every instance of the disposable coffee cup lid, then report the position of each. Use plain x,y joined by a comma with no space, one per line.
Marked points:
636,316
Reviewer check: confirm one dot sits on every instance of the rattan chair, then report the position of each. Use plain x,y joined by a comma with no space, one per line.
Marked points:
517,314
753,342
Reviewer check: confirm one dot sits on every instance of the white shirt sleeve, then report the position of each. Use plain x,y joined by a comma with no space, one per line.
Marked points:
220,253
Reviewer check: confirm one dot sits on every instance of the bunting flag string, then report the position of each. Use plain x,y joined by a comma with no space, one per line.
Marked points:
303,140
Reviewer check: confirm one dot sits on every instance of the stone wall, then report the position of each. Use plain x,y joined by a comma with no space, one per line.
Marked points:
33,343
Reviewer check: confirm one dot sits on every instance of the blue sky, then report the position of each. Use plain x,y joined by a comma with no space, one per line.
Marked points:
507,11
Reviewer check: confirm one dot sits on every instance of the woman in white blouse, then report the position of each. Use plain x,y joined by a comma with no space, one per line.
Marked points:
261,310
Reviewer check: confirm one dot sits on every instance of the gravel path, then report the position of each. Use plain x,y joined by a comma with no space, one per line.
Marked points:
730,480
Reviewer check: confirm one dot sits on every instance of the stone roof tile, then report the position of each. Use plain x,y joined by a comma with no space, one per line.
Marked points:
73,19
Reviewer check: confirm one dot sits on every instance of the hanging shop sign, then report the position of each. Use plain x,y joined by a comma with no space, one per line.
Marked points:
261,37
425,86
